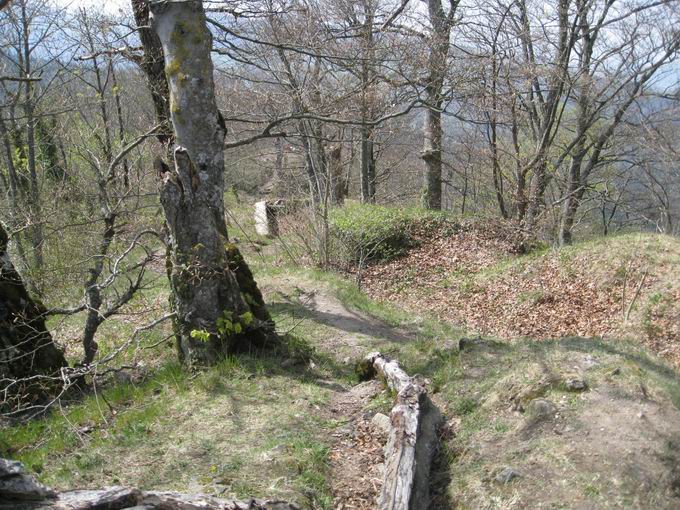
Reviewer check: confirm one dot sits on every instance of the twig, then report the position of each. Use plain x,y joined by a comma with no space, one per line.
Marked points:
637,293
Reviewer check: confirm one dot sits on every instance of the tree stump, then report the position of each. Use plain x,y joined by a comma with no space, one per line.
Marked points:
266,218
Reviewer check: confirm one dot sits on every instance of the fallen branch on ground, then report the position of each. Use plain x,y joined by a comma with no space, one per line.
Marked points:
412,439
18,489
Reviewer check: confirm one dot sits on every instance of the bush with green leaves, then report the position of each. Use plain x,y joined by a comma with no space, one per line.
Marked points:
367,232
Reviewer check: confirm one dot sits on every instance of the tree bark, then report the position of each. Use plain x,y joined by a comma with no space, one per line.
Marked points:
153,65
432,156
26,347
432,128
537,186
367,173
367,166
218,304
93,297
336,175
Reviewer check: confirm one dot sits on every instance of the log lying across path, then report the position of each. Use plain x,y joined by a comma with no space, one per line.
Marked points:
412,440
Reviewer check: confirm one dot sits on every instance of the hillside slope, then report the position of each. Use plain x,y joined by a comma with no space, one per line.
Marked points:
614,287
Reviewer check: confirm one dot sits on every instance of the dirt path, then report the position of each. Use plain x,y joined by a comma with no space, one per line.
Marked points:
357,449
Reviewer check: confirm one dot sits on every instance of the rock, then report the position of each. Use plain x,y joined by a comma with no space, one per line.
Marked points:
10,468
290,362
382,423
575,384
380,468
468,343
17,485
540,408
507,474
24,487
589,361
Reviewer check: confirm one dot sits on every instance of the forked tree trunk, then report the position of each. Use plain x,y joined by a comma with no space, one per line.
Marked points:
219,307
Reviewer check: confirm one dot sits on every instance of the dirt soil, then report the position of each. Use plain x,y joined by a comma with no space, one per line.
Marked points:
357,451
613,444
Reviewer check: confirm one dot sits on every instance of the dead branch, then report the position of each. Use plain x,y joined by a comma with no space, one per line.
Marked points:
412,440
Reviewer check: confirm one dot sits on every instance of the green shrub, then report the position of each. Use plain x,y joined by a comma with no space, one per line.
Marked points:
363,232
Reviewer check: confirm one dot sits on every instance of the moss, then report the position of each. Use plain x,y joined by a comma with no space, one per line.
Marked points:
173,67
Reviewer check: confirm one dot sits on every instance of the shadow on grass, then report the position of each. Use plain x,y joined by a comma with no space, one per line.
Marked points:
665,374
350,322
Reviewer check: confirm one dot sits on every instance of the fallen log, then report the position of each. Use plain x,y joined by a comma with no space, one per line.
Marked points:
20,491
412,439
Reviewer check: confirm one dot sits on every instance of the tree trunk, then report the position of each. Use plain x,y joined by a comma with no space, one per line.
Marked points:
219,307
432,128
336,174
432,156
367,166
26,347
367,174
35,208
536,202
315,159
575,191
93,297
153,65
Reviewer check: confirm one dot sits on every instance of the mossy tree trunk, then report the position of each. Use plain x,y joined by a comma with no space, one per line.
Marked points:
218,304
26,347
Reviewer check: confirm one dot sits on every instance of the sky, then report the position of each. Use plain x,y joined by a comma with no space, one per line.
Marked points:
106,5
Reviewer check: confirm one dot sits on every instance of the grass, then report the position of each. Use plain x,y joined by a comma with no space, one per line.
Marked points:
243,428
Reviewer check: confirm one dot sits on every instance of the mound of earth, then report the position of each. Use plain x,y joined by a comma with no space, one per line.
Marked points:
623,286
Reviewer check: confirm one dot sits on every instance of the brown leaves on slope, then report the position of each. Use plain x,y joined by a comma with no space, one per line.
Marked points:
472,278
